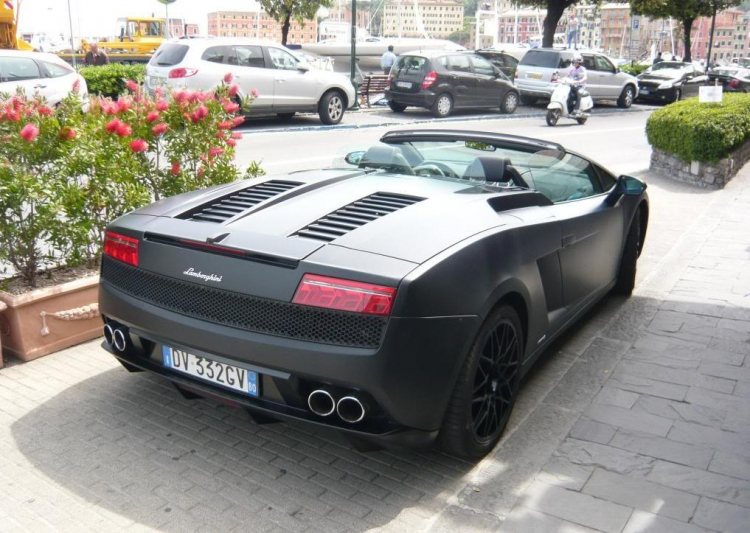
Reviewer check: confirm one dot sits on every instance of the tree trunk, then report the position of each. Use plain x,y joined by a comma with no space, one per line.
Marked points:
285,28
687,28
554,13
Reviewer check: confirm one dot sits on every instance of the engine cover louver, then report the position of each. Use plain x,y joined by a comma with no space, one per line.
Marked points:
226,207
356,215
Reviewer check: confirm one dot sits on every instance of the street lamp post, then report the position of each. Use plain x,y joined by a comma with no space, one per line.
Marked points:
353,70
72,40
711,36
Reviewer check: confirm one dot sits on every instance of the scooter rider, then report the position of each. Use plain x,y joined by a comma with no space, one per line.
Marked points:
577,73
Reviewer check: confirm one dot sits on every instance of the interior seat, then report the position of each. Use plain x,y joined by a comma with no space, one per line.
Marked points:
385,157
497,170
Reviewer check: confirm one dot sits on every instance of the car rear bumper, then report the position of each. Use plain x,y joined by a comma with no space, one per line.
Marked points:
420,99
405,383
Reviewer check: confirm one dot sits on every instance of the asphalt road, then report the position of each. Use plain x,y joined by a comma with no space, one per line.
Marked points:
614,138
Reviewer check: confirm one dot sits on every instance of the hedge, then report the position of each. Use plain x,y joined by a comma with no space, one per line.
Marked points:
694,131
109,80
635,69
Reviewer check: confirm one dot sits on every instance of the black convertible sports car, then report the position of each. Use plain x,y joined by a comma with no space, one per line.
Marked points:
399,298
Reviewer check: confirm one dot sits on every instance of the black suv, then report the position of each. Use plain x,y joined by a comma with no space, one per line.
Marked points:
442,81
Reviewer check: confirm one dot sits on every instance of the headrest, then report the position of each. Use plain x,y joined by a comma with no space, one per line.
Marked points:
383,156
486,168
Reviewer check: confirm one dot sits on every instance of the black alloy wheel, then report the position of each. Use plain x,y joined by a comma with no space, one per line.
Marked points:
626,277
486,388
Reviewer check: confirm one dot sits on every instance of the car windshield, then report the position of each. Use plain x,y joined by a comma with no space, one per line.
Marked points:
668,65
484,166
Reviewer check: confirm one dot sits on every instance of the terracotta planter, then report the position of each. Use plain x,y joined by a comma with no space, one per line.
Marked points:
47,320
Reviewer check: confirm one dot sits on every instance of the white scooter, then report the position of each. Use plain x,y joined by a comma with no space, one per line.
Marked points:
558,104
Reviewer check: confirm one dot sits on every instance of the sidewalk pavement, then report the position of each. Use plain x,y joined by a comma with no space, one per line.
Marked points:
638,420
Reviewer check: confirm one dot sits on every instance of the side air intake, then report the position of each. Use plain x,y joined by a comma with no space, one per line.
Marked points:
226,207
356,215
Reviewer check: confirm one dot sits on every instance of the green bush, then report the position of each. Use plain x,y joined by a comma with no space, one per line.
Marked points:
701,132
635,69
109,80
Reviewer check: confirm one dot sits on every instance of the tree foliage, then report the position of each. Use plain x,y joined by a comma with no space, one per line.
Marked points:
283,11
686,11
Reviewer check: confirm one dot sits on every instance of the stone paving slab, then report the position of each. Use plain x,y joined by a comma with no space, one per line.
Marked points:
635,421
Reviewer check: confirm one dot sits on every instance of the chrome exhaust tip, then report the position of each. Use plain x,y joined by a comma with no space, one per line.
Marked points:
350,409
108,334
120,341
321,402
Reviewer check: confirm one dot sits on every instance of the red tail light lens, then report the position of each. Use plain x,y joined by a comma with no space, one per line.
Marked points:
345,295
429,80
734,83
182,72
122,248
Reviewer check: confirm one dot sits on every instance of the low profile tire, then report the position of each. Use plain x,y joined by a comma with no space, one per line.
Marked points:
285,116
626,277
553,115
331,107
582,120
486,388
626,98
443,106
396,107
510,103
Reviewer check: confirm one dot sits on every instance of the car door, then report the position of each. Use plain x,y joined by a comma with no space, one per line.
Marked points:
58,79
489,88
251,72
593,84
592,230
293,89
463,80
21,72
609,84
693,82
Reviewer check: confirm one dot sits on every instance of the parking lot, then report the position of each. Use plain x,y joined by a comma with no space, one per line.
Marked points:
636,420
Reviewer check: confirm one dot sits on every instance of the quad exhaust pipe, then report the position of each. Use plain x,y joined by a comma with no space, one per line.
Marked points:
116,338
349,408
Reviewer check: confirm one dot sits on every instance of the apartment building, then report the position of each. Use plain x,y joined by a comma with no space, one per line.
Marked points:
435,18
180,28
259,25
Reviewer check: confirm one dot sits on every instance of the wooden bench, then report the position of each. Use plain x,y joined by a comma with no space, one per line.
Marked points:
372,84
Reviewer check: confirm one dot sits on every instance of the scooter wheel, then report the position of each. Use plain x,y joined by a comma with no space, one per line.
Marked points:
553,115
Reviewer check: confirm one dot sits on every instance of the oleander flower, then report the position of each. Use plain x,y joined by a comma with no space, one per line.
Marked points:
228,77
29,132
215,152
132,86
236,121
67,133
225,125
231,107
175,168
112,125
124,130
152,116
160,129
199,114
44,111
139,145
233,90
255,93
162,105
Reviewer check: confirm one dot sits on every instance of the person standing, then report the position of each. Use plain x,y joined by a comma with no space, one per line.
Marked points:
387,60
658,58
573,30
96,57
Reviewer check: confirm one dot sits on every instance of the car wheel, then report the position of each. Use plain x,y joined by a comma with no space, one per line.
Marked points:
627,97
396,107
486,388
443,106
285,116
677,95
331,107
626,277
553,115
510,103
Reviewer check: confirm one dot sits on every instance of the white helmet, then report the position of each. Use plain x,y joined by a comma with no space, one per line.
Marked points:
577,58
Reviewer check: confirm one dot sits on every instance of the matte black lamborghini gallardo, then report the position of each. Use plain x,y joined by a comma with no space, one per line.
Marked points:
400,297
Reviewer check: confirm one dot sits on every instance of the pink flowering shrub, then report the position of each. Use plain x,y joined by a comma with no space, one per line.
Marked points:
65,174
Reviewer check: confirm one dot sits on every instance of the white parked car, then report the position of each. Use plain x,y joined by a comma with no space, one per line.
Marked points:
286,84
38,73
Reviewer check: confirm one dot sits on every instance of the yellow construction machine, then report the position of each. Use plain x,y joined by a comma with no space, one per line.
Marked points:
8,32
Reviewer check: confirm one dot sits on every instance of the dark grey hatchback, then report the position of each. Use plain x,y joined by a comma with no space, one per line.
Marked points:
443,81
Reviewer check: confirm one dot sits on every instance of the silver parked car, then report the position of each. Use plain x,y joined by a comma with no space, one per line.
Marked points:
605,80
285,83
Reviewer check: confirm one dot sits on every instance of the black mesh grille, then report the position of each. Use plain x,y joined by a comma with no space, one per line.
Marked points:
356,215
222,209
246,312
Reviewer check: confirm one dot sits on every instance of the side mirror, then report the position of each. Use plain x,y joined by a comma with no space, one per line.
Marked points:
353,158
626,186
303,67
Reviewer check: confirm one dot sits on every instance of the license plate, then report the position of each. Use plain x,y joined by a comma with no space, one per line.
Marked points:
232,377
644,91
404,84
534,75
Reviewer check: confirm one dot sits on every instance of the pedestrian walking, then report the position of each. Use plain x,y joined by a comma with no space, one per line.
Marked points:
387,60
96,57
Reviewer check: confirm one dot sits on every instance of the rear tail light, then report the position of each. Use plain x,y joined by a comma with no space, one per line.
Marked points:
344,295
182,72
122,248
734,83
555,78
429,80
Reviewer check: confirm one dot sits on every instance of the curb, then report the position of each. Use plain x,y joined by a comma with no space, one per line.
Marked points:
475,118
